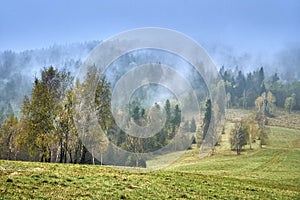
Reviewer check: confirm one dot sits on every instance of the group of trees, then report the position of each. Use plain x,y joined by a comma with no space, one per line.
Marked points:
243,90
141,120
245,132
47,129
142,117
257,92
248,131
17,70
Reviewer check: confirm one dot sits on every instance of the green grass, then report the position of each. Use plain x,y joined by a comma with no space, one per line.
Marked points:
58,181
276,166
269,173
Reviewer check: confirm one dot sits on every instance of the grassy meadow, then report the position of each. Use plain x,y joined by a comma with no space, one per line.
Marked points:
272,172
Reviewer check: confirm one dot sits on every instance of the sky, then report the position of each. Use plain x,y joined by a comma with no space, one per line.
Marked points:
254,26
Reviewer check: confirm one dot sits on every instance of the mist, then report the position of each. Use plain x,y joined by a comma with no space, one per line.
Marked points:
18,69
285,62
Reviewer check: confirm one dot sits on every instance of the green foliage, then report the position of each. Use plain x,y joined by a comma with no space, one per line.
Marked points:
270,107
103,103
8,138
263,134
136,114
142,117
177,116
243,89
40,120
280,92
193,126
239,135
290,103
207,118
265,104
46,126
93,96
295,93
66,132
47,129
168,111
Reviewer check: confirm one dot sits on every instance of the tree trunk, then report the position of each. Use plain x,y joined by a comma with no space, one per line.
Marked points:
137,162
83,153
61,150
49,156
77,152
9,147
70,155
66,148
250,141
213,145
93,156
9,154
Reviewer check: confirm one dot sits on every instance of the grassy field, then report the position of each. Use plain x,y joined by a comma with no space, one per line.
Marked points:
269,173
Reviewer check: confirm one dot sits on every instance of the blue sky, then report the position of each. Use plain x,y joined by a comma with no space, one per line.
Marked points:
244,25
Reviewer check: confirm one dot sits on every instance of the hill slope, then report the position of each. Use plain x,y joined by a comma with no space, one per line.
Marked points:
269,173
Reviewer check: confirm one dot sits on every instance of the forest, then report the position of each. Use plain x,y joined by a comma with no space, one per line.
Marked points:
38,115
45,129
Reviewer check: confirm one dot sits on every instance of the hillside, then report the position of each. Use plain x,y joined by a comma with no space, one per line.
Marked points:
18,69
269,173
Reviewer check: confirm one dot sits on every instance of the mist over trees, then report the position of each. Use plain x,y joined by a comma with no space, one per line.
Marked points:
46,130
254,88
18,70
285,62
37,108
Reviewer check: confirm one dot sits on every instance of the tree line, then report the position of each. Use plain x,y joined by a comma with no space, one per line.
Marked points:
243,90
256,92
46,129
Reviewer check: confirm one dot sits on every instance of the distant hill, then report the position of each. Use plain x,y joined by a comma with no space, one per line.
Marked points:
18,69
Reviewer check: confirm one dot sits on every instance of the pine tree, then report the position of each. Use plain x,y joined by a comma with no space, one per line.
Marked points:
207,118
177,116
193,126
168,111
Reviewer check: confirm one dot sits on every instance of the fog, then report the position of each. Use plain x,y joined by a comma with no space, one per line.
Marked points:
18,69
285,62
